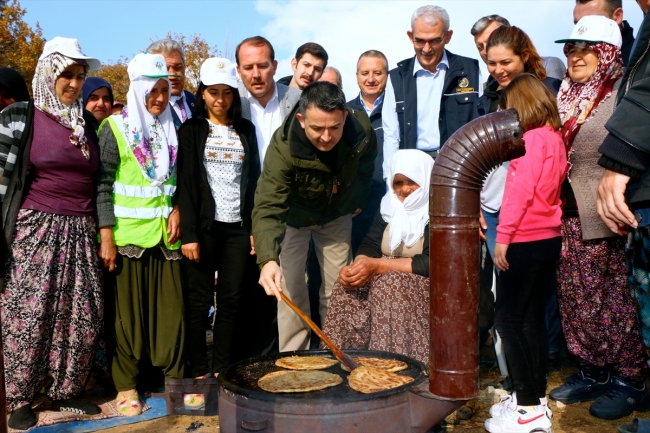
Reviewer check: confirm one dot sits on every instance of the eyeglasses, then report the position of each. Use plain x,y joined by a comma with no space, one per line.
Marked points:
420,43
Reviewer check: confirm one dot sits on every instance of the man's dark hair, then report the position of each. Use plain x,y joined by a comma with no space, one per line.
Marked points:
256,41
610,5
314,49
234,112
322,95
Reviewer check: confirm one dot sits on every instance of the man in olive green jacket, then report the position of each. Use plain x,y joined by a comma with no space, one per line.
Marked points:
316,177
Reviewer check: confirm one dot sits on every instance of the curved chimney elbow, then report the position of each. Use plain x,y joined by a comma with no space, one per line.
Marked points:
461,167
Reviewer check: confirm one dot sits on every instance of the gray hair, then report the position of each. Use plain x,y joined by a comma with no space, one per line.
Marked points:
481,24
374,53
166,46
339,78
431,15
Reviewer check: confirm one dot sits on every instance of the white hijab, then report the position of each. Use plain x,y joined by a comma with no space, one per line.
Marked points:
407,219
151,138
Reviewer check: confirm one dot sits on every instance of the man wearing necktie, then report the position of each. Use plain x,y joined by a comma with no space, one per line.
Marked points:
182,101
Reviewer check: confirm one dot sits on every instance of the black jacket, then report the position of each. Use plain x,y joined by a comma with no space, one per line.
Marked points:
627,33
193,192
459,95
371,246
626,148
191,102
489,101
285,80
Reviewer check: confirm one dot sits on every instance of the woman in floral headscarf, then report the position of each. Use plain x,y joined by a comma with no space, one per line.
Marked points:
52,301
139,230
598,314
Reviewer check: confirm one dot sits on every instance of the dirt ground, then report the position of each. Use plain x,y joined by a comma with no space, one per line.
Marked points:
569,419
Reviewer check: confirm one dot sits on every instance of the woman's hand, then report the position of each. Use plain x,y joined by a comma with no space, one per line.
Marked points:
358,273
174,226
192,251
610,202
482,226
107,251
500,257
252,247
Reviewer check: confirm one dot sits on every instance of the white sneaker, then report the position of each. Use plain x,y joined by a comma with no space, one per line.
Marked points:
522,419
544,403
506,402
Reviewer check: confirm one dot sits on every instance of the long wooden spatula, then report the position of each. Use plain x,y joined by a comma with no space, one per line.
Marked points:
338,353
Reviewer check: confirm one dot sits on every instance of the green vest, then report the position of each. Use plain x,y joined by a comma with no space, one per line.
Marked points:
141,210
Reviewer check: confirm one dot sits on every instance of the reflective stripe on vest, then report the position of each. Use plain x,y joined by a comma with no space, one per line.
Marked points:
141,213
141,209
143,191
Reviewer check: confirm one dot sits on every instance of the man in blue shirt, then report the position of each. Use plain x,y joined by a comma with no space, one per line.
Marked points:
430,95
372,74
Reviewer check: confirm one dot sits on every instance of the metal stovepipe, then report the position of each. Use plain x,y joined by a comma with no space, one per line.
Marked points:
464,162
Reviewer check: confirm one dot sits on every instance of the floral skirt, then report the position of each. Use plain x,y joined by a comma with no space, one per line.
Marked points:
596,305
389,313
51,307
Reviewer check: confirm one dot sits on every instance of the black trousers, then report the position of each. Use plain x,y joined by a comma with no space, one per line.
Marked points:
522,291
223,248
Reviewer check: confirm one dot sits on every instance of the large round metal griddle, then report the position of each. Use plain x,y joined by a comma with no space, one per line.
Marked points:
241,377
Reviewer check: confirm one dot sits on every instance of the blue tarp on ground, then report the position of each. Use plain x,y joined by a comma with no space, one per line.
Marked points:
157,410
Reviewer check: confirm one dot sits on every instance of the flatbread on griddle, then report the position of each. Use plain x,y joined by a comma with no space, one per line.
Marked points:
368,380
298,381
385,364
305,362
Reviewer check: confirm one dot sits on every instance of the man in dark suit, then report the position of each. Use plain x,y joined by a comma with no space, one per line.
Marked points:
372,74
182,102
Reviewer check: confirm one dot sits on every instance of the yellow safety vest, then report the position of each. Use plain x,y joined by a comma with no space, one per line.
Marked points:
141,210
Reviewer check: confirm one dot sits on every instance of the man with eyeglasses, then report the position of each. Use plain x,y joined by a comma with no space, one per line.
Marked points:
432,94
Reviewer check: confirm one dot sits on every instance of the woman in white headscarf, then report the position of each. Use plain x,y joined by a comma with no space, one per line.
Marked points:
51,302
139,231
381,301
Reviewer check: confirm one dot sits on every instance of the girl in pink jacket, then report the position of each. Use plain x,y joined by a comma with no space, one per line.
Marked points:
528,247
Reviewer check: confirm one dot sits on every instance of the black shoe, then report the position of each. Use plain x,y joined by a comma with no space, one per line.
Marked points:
74,405
507,383
579,388
23,418
620,400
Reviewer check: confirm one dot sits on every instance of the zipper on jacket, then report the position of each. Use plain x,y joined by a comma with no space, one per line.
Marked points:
335,183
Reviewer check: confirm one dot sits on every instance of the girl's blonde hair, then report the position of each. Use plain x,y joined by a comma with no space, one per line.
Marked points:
535,104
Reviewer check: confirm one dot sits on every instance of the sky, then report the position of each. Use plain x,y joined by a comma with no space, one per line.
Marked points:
345,28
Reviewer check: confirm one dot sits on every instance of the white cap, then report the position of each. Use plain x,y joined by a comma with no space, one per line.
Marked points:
147,65
217,70
69,47
595,28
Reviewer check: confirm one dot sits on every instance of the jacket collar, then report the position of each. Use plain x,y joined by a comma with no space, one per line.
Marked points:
300,147
444,63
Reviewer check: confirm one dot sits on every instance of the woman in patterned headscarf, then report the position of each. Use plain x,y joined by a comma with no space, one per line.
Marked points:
139,229
52,301
598,314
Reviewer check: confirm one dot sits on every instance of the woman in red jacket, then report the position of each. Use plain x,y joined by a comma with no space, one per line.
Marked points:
527,249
